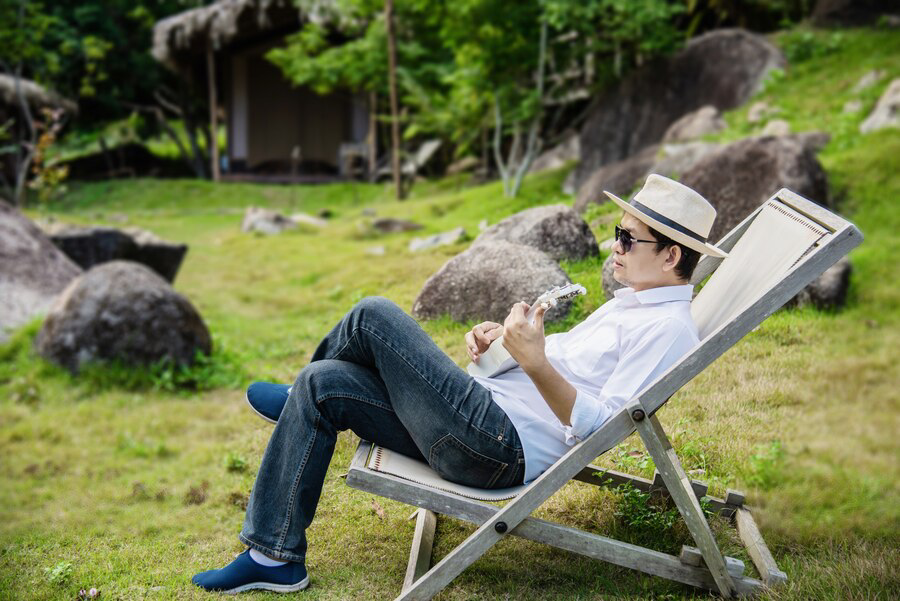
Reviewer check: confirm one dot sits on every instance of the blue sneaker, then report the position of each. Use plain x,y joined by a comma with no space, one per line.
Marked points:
244,574
267,399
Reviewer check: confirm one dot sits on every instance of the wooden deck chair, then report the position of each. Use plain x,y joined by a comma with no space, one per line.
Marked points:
775,252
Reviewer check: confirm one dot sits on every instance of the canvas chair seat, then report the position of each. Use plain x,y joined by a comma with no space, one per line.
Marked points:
776,251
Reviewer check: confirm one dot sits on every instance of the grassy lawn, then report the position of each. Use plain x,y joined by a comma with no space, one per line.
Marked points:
131,484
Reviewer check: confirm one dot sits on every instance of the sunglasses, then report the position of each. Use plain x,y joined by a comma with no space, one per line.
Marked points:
625,237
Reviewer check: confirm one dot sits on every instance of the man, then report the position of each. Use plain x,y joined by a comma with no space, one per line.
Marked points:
379,374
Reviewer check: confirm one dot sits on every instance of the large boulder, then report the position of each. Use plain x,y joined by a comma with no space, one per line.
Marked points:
265,221
32,270
739,177
565,152
620,178
722,68
554,229
887,112
696,124
829,290
93,245
121,311
485,281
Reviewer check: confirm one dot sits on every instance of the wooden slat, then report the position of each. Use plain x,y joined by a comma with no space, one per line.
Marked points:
562,537
361,456
420,551
757,549
679,487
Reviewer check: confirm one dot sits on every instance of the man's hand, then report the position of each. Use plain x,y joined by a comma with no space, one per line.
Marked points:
479,338
523,340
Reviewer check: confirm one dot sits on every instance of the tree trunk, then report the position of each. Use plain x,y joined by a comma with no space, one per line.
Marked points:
213,113
372,137
392,84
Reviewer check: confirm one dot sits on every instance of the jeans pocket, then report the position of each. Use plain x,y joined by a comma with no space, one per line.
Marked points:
457,462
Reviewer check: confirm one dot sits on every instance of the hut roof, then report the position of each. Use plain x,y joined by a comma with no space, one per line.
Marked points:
180,39
36,95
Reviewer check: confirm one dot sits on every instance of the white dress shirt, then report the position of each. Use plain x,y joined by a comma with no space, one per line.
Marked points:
608,358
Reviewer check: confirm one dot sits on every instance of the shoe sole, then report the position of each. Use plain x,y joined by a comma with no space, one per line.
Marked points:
271,421
268,586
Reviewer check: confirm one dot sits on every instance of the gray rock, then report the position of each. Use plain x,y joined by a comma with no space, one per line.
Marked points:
829,290
565,152
759,110
568,185
265,221
814,141
674,159
620,178
852,106
93,245
121,311
722,68
610,284
702,122
486,280
452,237
607,244
740,176
554,229
376,251
463,165
32,270
391,225
308,220
886,113
868,80
776,127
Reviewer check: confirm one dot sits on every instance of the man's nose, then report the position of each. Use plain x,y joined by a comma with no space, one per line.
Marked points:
617,247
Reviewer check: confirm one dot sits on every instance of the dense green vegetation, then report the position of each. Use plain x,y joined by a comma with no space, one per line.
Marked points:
132,485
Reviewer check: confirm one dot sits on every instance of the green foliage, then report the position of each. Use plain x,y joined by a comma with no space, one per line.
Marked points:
143,449
803,45
60,574
766,465
649,520
235,462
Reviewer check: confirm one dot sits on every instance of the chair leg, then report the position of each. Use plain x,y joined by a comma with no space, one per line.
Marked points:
420,552
679,486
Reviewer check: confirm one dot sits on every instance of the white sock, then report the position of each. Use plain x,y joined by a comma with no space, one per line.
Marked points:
263,560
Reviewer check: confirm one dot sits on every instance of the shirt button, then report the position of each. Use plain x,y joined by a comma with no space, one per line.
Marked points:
499,437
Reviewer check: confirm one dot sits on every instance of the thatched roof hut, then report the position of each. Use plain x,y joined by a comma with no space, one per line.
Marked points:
274,129
184,38
36,96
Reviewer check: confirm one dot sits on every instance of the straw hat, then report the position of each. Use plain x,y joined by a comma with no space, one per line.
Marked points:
674,210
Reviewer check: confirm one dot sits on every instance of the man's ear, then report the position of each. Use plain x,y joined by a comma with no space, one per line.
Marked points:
673,256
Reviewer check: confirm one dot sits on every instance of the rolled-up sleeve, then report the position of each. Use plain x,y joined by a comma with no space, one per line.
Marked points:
645,355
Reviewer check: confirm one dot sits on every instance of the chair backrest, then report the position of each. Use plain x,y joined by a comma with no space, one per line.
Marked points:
773,254
776,239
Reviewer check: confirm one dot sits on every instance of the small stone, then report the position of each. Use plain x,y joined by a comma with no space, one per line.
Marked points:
607,244
852,106
368,212
867,81
305,219
392,225
451,237
777,127
376,251
482,225
887,112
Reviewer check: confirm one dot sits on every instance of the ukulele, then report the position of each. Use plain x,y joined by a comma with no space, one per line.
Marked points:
497,359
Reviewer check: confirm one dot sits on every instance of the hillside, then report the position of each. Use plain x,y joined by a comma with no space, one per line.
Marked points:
133,481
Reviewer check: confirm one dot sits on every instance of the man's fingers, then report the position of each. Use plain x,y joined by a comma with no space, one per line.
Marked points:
539,316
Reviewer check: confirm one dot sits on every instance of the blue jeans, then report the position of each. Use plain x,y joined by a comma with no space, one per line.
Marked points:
380,375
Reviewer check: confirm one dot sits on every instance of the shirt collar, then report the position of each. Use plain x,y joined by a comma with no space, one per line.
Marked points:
662,294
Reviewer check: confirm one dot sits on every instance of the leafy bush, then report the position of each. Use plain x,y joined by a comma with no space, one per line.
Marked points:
60,573
802,46
648,519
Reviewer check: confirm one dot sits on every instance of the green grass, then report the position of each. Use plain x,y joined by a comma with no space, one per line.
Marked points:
132,480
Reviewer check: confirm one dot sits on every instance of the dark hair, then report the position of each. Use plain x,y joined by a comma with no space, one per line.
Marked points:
689,256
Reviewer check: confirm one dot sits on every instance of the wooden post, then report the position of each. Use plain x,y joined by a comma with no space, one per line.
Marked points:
392,84
373,133
213,116
420,551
